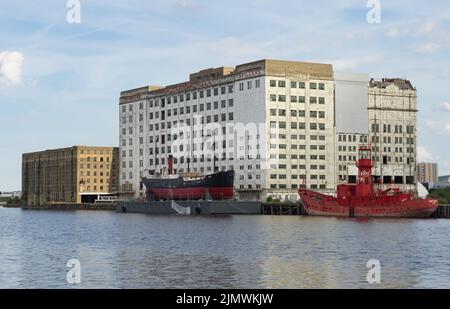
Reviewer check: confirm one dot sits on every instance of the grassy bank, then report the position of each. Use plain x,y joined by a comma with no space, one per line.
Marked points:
442,194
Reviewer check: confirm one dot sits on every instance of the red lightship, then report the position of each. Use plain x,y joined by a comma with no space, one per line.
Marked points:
363,200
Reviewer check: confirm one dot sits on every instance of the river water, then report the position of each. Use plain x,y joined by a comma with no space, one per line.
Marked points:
142,251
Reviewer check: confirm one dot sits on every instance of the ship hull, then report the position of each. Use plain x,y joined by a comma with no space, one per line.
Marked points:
218,186
188,193
317,204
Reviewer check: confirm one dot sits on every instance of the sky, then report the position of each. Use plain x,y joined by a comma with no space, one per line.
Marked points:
60,81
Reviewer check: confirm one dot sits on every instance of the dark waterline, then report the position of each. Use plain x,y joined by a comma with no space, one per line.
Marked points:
142,251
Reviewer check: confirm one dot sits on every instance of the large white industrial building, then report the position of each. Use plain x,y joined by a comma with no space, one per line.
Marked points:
276,123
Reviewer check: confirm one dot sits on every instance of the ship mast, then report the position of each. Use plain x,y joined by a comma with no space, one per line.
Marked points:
156,155
214,152
365,165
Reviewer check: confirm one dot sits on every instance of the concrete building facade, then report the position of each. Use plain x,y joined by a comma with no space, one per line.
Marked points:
72,175
390,115
427,173
291,105
310,122
347,147
392,131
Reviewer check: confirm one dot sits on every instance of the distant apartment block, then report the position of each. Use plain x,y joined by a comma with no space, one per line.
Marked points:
427,173
76,174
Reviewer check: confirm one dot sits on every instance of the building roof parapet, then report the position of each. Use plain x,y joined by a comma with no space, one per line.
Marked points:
223,75
402,84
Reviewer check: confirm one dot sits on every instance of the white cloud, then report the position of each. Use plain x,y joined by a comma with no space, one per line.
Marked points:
445,106
427,48
428,27
234,48
345,64
439,127
393,33
184,3
424,155
11,68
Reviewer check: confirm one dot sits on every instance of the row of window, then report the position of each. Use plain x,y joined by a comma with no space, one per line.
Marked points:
296,186
352,138
398,129
295,125
295,147
156,115
299,85
250,85
163,125
345,148
386,179
283,166
257,186
188,96
88,188
196,94
344,158
295,113
194,108
397,140
94,166
94,159
223,157
88,173
296,99
94,151
161,139
300,137
95,180
294,176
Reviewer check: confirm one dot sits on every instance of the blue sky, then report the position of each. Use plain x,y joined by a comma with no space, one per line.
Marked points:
60,82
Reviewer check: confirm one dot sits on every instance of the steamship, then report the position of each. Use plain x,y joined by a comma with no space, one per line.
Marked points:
217,186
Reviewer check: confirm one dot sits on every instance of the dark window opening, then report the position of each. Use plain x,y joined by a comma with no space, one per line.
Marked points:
352,179
410,180
398,179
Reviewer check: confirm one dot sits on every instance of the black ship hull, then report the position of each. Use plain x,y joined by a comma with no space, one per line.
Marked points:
218,186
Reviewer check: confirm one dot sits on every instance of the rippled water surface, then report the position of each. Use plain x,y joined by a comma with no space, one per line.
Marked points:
142,251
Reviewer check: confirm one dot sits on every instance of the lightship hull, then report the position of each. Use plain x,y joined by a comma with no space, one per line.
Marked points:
318,204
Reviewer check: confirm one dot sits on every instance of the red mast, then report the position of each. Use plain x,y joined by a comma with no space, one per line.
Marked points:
365,165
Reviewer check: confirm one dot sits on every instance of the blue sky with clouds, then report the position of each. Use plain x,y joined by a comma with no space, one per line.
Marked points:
60,82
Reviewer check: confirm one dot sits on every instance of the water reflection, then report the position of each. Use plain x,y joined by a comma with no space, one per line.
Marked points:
141,251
